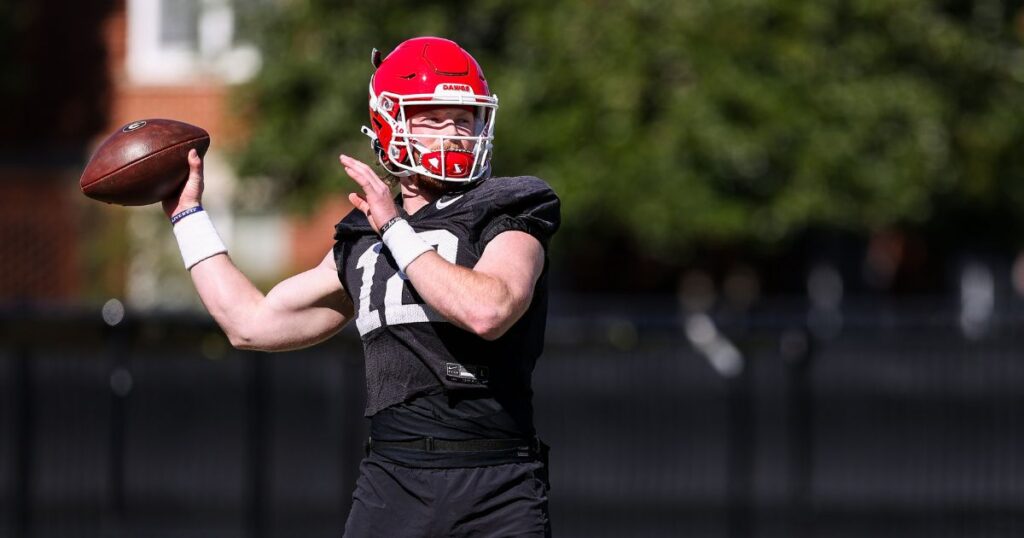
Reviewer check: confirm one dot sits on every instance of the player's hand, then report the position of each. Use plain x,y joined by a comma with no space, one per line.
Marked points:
191,192
375,201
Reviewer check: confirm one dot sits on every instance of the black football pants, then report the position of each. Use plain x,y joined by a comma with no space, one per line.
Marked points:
392,500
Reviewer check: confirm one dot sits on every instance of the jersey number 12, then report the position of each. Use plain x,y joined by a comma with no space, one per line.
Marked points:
395,312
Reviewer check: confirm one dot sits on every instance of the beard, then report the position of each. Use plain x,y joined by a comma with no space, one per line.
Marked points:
434,186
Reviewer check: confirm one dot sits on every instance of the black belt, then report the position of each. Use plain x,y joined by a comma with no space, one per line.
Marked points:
429,444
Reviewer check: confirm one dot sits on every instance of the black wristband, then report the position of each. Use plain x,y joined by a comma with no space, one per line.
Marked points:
389,224
185,213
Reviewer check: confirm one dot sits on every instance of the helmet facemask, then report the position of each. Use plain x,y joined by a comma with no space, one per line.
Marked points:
403,153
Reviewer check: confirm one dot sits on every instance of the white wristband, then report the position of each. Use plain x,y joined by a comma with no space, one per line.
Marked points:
404,244
197,238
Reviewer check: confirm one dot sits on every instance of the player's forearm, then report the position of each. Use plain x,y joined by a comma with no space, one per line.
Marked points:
229,296
474,301
225,291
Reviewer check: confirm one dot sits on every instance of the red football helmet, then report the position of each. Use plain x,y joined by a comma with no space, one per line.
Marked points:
437,72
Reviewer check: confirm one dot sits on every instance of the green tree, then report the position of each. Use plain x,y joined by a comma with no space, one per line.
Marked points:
685,123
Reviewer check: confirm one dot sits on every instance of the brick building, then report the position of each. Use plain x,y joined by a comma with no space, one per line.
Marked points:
80,70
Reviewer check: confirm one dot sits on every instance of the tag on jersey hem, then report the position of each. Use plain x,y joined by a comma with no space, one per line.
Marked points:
466,373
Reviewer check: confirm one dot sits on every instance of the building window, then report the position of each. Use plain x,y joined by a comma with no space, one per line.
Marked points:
182,41
179,24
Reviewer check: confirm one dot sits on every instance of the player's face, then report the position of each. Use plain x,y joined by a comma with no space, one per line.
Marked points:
442,120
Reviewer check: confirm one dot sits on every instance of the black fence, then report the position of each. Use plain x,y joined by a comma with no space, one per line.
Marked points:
886,422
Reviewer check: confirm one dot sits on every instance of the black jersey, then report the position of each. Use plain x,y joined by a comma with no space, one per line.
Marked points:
410,349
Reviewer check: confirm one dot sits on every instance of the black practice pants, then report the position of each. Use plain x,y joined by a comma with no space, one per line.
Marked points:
393,500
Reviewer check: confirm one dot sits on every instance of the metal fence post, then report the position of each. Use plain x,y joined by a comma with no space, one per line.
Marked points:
258,437
742,448
119,336
25,431
796,349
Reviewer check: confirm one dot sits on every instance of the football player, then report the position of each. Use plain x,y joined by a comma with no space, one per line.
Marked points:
447,283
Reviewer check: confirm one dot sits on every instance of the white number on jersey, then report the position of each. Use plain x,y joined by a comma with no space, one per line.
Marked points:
395,312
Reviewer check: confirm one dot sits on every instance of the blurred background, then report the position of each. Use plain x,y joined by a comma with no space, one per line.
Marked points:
788,289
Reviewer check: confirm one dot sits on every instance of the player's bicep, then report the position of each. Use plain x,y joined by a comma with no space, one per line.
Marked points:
305,309
317,288
517,260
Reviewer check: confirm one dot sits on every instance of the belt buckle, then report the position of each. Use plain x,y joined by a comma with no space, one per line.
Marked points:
529,447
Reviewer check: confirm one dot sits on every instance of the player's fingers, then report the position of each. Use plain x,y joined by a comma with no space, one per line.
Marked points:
195,166
372,177
367,187
362,173
348,162
355,174
359,202
352,162
363,168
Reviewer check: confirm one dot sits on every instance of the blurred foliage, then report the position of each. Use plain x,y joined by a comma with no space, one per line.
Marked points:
684,123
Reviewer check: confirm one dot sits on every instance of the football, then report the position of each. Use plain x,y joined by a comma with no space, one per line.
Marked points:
143,162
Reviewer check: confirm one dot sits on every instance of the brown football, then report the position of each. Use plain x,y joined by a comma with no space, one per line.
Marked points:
142,162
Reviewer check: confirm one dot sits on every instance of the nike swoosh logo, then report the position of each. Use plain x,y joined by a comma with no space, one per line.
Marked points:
442,205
